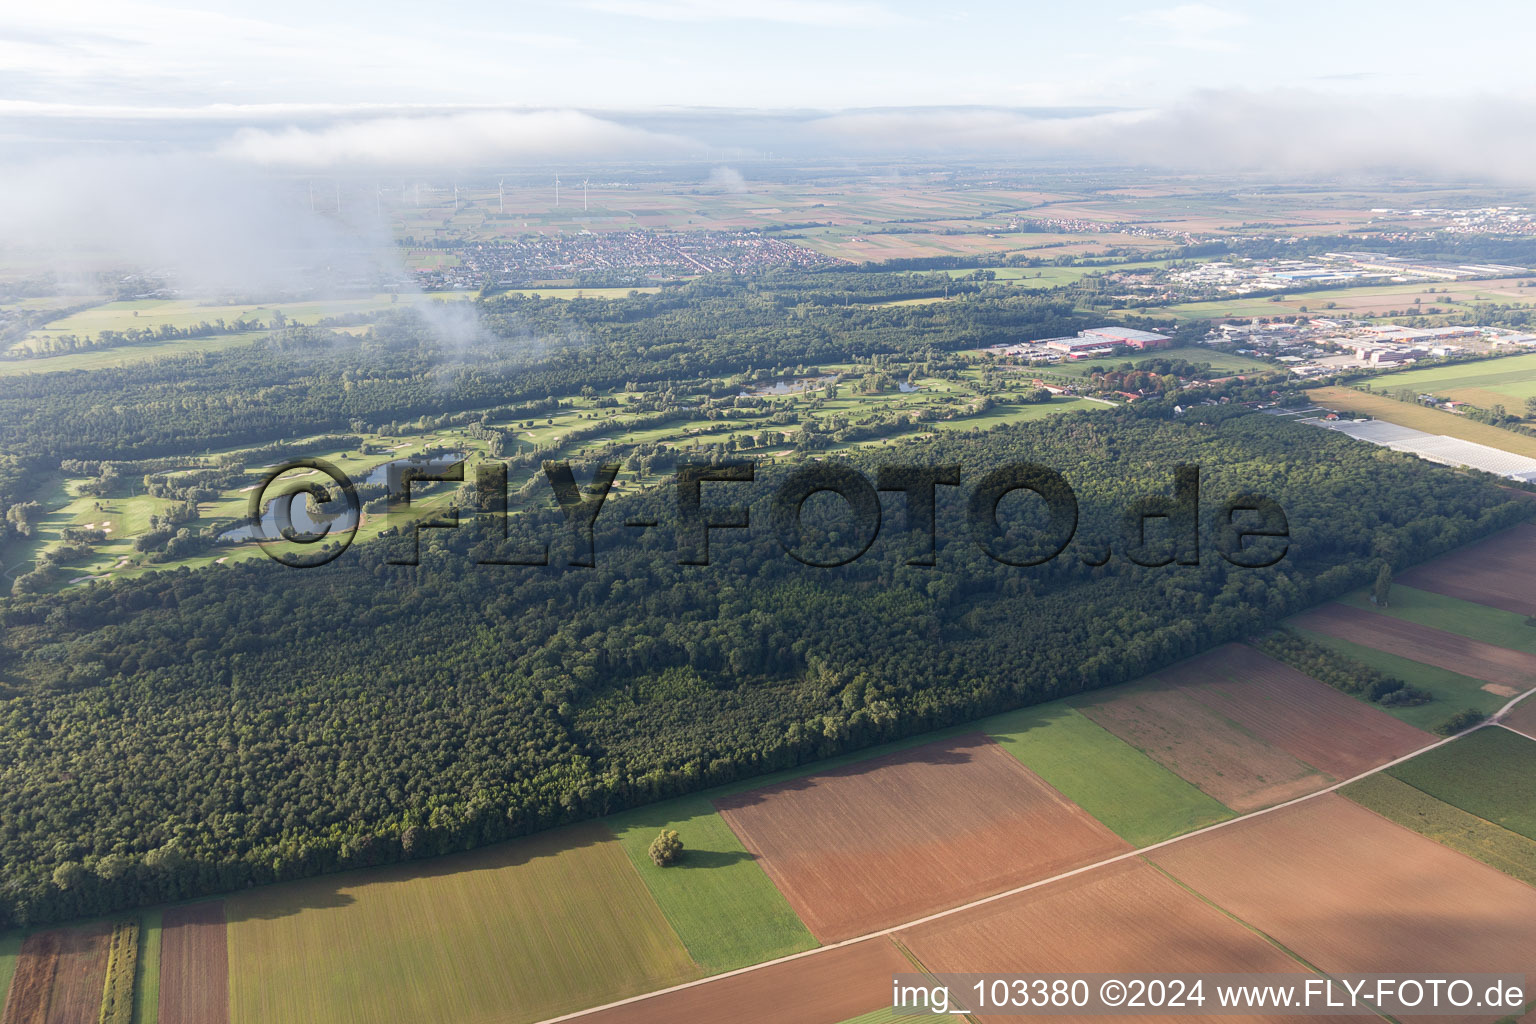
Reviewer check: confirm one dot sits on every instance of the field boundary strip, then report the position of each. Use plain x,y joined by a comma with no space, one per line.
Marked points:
1493,719
1517,732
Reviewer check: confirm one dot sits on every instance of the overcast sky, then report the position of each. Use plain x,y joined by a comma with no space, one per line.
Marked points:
826,54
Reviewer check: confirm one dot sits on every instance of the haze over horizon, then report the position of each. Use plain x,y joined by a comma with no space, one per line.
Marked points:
1218,85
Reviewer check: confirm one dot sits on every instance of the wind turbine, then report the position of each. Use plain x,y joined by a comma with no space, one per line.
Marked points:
584,183
338,195
455,197
501,195
557,189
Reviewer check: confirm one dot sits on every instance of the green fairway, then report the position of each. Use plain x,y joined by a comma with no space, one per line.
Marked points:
146,986
1452,692
1490,773
1498,847
515,932
1474,621
1134,796
713,889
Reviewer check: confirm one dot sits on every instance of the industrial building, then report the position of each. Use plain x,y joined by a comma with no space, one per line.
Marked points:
1126,336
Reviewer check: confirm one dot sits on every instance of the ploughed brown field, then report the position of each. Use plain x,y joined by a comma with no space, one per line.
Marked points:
194,965
1497,571
1352,892
1424,644
891,839
60,976
1522,717
1123,918
1307,719
826,988
1180,719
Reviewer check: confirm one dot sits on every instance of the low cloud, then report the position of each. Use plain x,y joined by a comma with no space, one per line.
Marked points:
454,140
726,179
1291,132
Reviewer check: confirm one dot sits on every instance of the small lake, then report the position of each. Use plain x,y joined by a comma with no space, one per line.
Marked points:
790,387
334,512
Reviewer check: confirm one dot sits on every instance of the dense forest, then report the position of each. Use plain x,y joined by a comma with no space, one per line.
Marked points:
190,732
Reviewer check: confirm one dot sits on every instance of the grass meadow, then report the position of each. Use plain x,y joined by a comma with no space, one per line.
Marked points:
1134,796
713,888
1509,381
1452,692
515,932
1498,847
1490,773
1474,621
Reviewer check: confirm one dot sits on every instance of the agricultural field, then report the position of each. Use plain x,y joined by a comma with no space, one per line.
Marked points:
1351,892
1168,717
1522,717
146,987
1190,353
1498,847
713,887
830,987
59,976
1490,773
1479,622
891,838
194,964
1377,301
1293,712
1123,918
1135,797
1512,672
1506,381
544,926
125,355
1422,417
1452,691
1496,571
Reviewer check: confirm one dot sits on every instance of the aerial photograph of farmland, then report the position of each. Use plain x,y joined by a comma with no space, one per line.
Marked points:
791,512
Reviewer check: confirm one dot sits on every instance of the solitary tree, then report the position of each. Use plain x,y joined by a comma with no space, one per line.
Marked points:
666,847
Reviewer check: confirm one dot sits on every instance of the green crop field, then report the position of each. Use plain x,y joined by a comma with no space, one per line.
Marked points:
1189,353
713,888
126,355
1134,796
1474,621
1452,692
146,989
515,932
10,946
1490,773
889,1015
1511,379
1498,847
